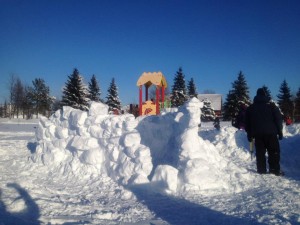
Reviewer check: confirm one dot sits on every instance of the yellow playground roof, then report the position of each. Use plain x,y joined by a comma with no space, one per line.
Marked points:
156,78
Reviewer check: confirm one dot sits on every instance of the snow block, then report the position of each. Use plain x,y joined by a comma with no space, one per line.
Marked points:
92,157
40,133
50,130
197,169
44,121
77,118
98,108
84,143
95,131
61,133
130,123
131,139
60,143
193,108
66,110
138,179
190,144
165,178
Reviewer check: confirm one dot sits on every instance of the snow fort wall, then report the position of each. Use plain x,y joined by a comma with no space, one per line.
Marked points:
166,149
95,142
182,160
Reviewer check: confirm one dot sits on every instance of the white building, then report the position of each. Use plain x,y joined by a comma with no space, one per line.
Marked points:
216,102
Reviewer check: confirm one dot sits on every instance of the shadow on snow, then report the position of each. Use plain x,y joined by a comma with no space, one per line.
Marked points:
28,216
177,211
32,147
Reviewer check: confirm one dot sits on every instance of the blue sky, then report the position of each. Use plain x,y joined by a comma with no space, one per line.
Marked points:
211,40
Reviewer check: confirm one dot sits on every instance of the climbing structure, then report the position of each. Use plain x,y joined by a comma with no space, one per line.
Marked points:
151,107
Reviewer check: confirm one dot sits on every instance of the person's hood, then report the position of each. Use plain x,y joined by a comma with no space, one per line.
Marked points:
261,99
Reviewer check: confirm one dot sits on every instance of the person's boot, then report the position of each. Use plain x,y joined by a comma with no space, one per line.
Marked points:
261,171
277,173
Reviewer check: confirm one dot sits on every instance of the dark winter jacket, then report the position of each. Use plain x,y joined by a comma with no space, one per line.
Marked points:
263,117
241,117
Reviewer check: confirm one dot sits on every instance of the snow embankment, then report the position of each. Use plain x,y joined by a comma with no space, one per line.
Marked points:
93,142
165,151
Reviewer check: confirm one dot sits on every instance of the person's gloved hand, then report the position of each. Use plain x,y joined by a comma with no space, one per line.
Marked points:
249,138
280,136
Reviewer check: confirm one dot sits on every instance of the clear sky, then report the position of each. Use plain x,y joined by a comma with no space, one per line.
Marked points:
211,40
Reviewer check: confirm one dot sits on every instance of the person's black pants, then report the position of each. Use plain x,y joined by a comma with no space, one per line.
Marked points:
269,144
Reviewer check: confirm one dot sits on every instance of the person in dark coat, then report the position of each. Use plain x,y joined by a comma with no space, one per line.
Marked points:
264,124
217,123
241,117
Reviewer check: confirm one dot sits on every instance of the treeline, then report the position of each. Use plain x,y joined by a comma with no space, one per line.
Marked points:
239,95
27,101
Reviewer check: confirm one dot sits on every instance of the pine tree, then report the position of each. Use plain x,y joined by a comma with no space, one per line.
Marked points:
179,92
297,107
38,97
75,93
5,109
94,90
56,105
192,91
11,102
267,91
207,112
285,99
237,96
1,111
229,107
28,104
113,98
17,96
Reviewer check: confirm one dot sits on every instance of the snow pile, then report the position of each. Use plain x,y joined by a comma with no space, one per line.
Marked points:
73,141
70,191
184,160
166,149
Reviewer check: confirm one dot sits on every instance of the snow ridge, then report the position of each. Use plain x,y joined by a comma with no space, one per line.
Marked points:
165,150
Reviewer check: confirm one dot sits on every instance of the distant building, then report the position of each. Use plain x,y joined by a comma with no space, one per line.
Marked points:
216,102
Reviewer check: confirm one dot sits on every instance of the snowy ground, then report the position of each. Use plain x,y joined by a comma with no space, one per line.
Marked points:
63,190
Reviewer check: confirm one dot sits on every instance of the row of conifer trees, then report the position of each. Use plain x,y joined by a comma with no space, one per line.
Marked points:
36,99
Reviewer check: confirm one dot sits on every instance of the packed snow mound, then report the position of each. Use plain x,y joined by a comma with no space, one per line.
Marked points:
74,141
174,140
165,151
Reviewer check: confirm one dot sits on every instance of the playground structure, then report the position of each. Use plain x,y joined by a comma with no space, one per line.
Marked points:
150,107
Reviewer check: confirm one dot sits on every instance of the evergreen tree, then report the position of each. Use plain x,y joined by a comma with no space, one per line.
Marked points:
1,111
207,112
75,93
39,97
192,91
28,107
297,107
12,84
179,93
267,91
17,97
56,105
113,98
285,100
94,90
6,114
230,107
237,96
